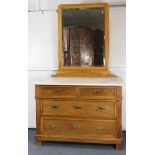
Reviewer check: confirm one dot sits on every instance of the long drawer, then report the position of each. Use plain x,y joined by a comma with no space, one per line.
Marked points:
79,108
72,127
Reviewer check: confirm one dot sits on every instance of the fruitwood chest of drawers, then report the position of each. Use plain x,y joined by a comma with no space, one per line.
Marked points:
79,110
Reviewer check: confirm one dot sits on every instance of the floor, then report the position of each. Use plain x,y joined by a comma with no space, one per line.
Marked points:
57,148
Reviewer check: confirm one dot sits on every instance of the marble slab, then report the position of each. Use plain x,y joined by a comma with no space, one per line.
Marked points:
117,81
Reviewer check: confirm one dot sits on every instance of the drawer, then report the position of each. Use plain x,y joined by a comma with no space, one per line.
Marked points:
71,127
97,92
57,92
79,108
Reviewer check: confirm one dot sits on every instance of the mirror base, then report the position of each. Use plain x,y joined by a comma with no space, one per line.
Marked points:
83,74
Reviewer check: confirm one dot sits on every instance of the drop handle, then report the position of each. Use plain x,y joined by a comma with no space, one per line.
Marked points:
54,126
77,107
54,107
100,109
100,129
57,92
76,126
96,92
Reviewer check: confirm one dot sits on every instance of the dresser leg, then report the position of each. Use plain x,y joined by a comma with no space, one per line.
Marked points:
118,146
39,143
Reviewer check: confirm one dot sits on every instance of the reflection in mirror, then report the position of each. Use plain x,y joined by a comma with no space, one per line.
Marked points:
83,37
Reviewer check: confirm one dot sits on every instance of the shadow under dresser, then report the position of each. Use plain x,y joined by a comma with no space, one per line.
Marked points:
85,110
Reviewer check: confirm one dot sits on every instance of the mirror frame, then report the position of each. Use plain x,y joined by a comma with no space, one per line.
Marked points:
83,71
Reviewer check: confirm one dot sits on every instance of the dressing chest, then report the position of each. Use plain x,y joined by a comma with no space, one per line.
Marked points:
86,110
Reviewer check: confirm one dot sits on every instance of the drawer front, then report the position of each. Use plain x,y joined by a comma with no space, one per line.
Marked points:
70,127
97,92
79,108
58,92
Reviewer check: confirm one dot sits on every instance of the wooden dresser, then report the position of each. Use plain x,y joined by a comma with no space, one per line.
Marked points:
85,110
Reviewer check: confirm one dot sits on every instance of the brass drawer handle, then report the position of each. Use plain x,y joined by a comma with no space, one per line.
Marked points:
97,92
55,107
100,129
99,109
54,126
76,126
56,92
77,107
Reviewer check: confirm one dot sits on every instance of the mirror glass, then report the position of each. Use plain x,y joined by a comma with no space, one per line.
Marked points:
83,37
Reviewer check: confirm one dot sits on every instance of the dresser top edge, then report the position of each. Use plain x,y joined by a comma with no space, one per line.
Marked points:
116,81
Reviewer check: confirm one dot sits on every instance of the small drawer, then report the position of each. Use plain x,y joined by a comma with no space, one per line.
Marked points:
71,127
57,92
97,92
106,109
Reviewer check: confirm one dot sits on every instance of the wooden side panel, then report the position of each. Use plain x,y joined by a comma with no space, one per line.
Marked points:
119,112
37,91
38,108
38,113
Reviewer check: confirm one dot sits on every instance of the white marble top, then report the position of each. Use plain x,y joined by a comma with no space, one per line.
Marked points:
79,81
